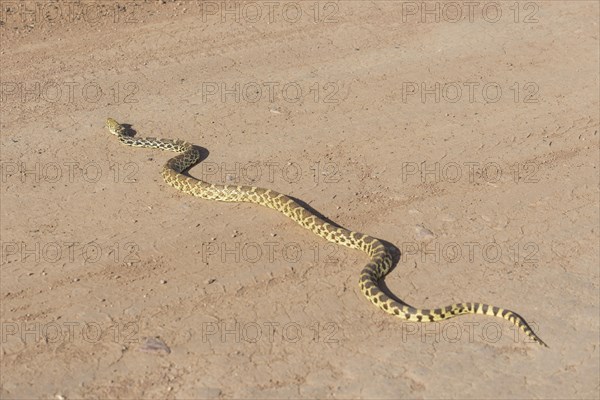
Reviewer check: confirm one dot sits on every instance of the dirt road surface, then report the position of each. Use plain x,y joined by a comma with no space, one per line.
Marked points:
465,134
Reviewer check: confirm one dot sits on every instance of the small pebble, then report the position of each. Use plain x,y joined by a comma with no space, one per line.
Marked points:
422,233
154,345
162,281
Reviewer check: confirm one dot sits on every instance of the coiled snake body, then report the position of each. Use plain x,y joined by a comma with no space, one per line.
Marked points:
380,257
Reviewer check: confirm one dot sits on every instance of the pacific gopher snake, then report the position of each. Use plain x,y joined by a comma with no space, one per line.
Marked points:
380,257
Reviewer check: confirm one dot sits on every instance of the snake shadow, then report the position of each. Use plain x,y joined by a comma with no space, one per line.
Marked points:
394,251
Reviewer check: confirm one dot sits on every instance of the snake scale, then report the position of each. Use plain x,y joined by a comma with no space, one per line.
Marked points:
380,256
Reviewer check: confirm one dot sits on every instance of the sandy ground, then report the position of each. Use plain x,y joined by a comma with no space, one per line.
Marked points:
471,144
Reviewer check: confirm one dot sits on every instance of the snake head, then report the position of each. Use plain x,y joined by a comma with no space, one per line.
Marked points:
114,127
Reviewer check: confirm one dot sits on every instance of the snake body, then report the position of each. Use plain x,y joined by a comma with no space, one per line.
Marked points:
380,256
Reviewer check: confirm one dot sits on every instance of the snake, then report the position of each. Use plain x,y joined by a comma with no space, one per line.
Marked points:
380,256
